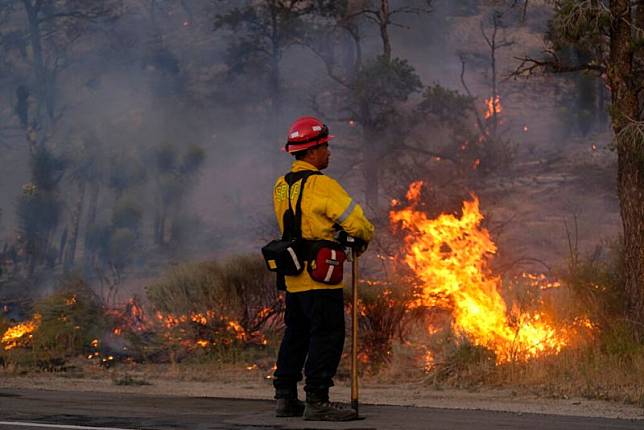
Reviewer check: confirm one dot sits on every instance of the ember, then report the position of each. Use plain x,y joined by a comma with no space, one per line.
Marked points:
449,256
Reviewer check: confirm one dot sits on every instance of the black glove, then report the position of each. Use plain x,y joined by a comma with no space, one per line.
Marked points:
358,245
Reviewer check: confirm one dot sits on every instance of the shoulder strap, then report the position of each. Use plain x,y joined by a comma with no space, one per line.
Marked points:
293,218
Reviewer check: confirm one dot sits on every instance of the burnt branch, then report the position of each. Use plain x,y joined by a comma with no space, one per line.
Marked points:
428,152
531,66
479,121
327,64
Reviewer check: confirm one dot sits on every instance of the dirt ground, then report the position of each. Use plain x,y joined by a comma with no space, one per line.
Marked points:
256,386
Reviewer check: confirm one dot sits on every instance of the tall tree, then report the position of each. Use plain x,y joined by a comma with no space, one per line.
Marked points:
51,28
263,31
175,175
612,31
373,89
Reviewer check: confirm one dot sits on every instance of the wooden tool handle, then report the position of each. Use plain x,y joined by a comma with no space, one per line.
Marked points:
354,332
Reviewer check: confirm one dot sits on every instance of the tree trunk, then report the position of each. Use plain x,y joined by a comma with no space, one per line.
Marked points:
370,151
91,220
384,29
631,196
630,161
35,38
158,235
369,156
70,254
274,76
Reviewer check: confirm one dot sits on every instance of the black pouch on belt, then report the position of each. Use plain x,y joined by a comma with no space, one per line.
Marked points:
286,256
281,256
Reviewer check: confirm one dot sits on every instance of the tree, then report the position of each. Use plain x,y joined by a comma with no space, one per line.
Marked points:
611,33
38,38
38,208
175,174
52,27
376,91
85,169
263,31
373,89
493,151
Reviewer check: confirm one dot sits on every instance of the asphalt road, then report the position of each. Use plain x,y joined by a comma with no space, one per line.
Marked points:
41,410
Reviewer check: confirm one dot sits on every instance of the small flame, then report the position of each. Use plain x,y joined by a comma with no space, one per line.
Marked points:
273,369
429,361
492,106
540,280
239,331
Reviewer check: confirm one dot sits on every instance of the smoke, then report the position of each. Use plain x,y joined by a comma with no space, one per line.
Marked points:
157,77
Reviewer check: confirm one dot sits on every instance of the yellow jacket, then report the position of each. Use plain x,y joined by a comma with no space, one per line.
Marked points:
324,203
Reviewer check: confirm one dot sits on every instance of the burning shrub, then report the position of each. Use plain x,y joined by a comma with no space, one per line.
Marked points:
384,311
211,305
70,319
257,298
64,325
596,281
450,256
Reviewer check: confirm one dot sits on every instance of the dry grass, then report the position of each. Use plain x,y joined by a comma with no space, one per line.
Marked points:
590,373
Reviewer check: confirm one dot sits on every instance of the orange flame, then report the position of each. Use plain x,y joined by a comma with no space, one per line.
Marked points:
20,333
239,331
449,256
492,106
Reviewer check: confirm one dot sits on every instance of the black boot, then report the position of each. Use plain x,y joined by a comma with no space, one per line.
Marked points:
287,404
289,408
318,408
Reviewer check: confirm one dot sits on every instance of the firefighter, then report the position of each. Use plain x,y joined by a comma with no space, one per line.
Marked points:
314,318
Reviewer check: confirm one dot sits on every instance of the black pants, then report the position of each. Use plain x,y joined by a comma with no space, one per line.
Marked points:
315,334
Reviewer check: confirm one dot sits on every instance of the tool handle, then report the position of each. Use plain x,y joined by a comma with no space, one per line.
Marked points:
354,331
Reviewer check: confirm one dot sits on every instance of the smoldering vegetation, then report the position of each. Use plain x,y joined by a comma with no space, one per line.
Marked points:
141,138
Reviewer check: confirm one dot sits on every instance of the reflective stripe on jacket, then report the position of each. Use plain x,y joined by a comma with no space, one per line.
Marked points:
324,203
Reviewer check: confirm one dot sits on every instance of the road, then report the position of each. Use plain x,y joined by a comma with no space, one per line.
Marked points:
42,410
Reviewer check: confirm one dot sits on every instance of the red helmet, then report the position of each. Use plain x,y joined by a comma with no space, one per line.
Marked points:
306,132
